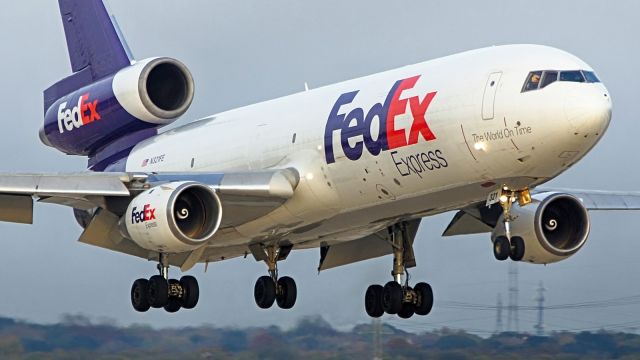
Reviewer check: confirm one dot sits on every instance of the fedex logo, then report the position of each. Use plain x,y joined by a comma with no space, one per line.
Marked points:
146,214
84,113
359,126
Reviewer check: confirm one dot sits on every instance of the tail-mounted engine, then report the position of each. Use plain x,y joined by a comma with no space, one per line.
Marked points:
172,218
554,226
146,95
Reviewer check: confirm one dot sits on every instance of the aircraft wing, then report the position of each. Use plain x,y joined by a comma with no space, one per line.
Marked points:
244,195
603,200
478,218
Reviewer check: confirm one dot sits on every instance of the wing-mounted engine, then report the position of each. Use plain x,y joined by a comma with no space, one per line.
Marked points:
553,226
143,96
173,217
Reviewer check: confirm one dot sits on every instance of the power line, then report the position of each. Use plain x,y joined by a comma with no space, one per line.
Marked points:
605,303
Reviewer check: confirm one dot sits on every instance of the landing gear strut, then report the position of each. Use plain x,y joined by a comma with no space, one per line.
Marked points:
270,288
508,246
161,292
397,297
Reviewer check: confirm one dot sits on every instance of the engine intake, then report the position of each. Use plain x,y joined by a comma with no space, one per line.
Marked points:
563,224
156,90
554,226
173,218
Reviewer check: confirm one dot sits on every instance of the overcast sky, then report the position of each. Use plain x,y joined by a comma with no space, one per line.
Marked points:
242,52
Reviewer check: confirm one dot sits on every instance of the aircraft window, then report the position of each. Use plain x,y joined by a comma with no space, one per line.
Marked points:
573,76
533,80
591,77
548,78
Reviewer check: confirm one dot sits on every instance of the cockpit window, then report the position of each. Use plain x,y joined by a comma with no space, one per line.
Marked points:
541,79
591,77
573,76
548,78
533,80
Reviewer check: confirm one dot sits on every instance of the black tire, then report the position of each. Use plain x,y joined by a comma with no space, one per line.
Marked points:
406,311
190,292
264,292
425,298
158,291
373,301
139,295
392,297
501,248
173,304
286,297
517,248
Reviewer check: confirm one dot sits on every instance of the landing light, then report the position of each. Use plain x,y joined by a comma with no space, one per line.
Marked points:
480,146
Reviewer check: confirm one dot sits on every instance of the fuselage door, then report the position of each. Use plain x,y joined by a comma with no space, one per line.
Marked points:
489,98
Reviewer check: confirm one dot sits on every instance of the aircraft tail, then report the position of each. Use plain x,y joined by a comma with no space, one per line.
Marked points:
110,102
92,38
95,47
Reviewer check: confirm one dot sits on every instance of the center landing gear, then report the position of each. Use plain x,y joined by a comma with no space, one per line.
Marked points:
270,288
161,292
397,297
508,246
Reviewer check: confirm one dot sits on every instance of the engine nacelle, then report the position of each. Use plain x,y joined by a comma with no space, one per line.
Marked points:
156,90
146,95
173,218
554,226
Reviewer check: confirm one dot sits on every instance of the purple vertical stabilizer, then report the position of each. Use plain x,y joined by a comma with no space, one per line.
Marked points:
92,39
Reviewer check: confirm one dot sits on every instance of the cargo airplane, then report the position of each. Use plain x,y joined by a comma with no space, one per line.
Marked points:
349,168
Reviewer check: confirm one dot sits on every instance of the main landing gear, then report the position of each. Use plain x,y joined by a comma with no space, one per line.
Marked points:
270,288
508,246
161,292
397,297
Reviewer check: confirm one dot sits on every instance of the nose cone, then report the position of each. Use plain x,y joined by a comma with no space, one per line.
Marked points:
588,110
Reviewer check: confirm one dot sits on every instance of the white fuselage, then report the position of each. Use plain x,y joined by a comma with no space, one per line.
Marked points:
485,132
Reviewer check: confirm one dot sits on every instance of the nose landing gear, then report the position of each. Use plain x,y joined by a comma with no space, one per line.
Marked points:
397,297
508,246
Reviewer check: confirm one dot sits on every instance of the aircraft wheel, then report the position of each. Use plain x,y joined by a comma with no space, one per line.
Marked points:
501,248
425,298
517,248
264,292
286,296
190,292
158,293
139,295
406,311
373,301
392,297
173,303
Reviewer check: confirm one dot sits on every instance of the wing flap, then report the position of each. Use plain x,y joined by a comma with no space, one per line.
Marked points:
464,224
366,248
16,208
65,185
